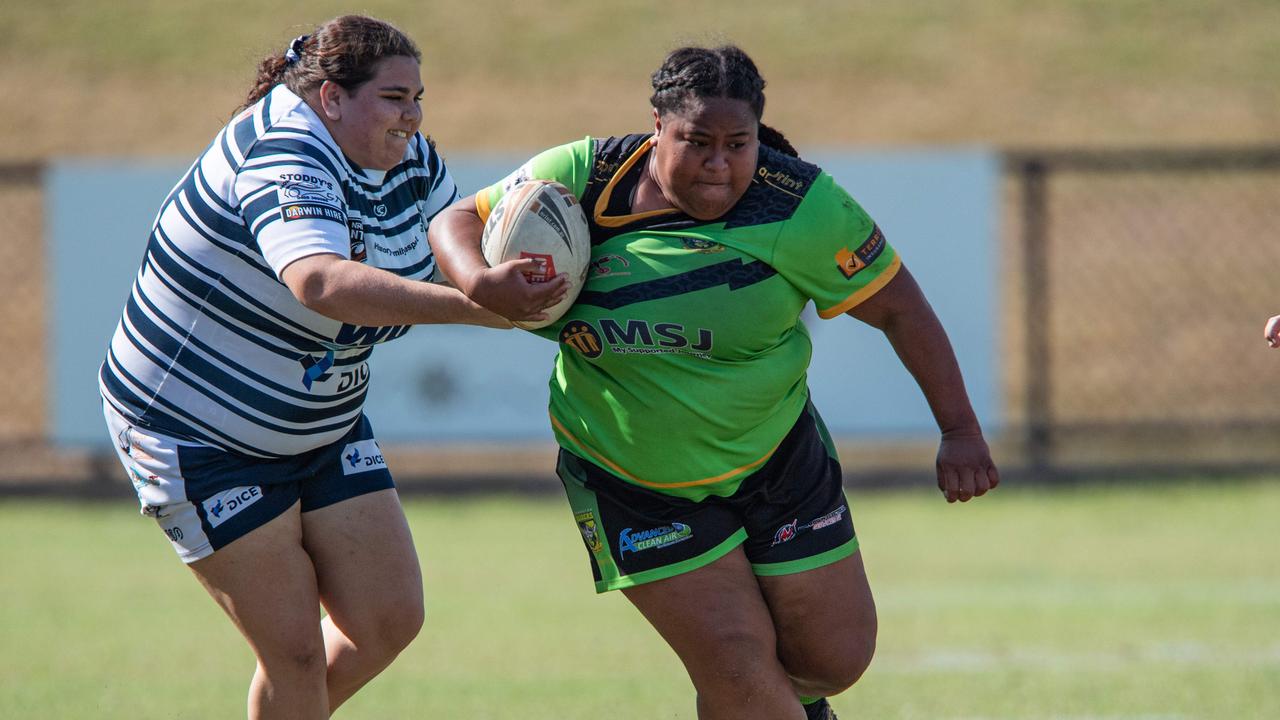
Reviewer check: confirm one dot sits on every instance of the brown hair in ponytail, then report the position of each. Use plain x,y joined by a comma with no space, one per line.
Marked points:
343,50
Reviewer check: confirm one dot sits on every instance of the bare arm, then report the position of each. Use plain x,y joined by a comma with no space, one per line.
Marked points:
455,237
362,295
899,309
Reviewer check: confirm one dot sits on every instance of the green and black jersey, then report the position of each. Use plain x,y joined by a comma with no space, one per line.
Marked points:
683,362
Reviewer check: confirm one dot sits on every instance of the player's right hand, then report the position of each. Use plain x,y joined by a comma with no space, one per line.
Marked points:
506,290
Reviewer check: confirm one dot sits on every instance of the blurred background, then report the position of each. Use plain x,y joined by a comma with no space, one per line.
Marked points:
1110,270
1090,189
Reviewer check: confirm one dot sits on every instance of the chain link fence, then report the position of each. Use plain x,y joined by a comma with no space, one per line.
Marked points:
1139,284
1135,285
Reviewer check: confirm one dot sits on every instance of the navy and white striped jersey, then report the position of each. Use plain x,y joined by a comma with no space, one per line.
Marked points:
212,346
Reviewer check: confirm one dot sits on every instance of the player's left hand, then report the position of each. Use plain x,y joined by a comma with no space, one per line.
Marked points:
965,468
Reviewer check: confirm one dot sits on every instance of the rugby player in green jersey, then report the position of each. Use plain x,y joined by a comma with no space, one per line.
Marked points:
700,475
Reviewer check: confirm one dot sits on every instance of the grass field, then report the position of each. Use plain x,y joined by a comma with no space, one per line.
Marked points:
1146,601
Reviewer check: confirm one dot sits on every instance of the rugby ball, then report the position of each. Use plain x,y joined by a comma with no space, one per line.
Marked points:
541,220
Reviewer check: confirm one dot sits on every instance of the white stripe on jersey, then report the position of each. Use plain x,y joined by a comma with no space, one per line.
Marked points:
212,346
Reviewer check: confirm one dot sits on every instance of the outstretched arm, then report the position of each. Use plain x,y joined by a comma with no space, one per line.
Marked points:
900,311
356,293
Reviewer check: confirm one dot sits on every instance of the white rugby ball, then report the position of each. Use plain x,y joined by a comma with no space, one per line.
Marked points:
542,220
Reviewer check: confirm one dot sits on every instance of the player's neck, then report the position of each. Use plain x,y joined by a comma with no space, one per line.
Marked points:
647,194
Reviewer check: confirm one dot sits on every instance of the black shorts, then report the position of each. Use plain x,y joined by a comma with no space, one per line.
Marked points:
790,516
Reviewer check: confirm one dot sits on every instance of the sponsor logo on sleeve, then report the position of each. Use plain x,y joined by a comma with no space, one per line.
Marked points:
228,503
301,187
362,456
850,262
312,212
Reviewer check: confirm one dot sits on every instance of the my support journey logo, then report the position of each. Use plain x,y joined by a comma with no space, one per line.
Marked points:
658,537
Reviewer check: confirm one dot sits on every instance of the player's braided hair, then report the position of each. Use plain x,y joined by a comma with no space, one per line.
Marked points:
344,50
723,72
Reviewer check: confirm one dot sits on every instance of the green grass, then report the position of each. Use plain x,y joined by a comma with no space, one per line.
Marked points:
1147,601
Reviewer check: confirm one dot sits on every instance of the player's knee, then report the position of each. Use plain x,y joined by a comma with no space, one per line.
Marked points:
390,628
837,669
293,659
737,665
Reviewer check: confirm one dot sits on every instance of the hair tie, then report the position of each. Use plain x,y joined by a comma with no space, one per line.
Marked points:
294,53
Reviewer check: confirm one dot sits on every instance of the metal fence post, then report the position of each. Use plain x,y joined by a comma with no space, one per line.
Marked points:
1035,239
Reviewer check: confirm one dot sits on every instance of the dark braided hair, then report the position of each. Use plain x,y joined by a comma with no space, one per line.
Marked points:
344,50
690,73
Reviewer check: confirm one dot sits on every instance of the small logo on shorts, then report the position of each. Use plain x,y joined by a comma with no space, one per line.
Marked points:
228,503
658,537
785,533
361,457
790,530
587,525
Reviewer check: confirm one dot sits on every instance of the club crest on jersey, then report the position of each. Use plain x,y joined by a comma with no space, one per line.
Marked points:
701,245
587,526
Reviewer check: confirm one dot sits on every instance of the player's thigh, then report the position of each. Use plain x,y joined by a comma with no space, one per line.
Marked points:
266,583
366,565
716,620
825,619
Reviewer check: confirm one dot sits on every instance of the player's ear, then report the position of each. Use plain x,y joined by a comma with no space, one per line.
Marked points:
331,97
657,126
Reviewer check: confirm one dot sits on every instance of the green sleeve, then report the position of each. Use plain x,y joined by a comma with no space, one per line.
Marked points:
569,165
832,251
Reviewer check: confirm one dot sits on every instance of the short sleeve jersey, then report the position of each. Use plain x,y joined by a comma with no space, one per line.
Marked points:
212,346
683,363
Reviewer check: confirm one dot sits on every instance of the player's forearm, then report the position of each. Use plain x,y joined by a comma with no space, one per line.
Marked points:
455,239
922,345
361,295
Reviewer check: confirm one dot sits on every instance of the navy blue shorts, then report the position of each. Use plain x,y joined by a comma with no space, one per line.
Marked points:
204,498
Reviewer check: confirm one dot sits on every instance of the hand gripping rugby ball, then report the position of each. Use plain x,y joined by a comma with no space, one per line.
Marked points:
542,220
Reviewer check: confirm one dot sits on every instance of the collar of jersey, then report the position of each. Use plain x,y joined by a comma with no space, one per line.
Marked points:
602,204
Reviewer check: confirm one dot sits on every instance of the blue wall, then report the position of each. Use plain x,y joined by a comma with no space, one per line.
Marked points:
938,207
